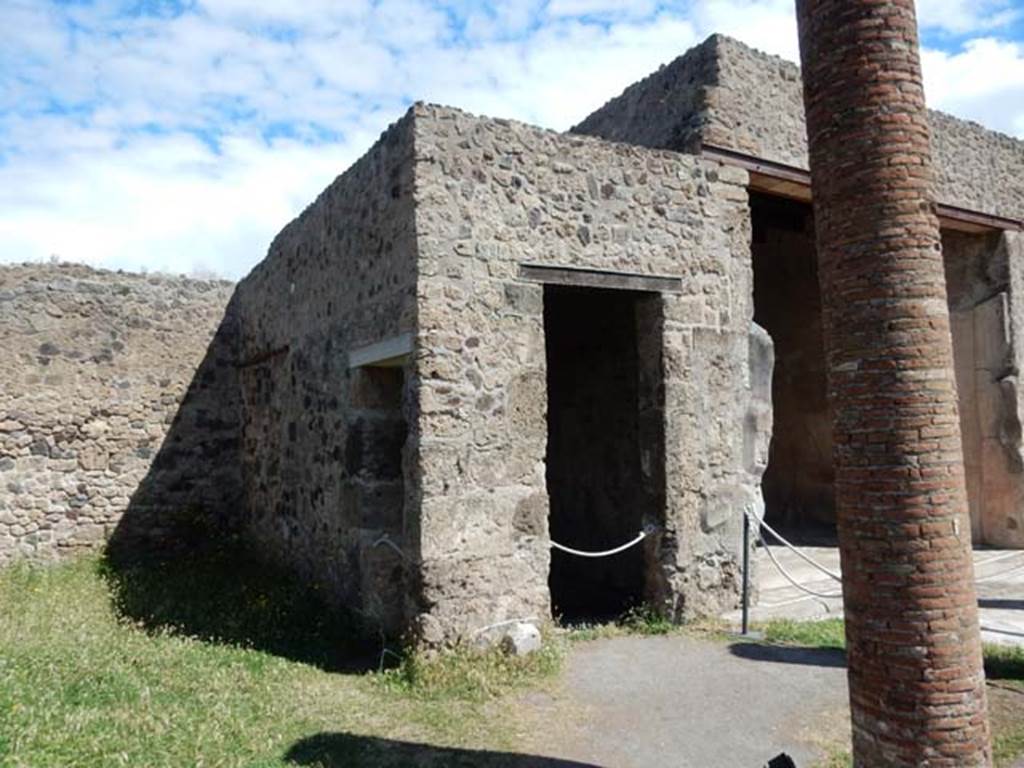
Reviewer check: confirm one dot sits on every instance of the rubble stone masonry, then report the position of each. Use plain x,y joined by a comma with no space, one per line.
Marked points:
729,95
117,403
495,194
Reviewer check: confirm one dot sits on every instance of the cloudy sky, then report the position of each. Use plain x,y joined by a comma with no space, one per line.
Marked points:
180,135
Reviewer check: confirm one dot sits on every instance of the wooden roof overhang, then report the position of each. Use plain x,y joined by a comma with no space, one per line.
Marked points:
791,182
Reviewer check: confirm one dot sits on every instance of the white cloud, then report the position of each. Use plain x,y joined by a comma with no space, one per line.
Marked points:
633,8
165,203
965,16
187,140
768,25
984,81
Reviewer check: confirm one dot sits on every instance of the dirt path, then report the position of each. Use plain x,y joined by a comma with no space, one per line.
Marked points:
690,703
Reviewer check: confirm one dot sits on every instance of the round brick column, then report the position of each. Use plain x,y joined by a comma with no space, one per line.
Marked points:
917,690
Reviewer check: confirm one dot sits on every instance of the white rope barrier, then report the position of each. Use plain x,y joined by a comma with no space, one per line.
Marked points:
793,581
384,541
606,553
806,558
758,522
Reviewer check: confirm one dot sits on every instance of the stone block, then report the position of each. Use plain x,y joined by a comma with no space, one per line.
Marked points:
521,639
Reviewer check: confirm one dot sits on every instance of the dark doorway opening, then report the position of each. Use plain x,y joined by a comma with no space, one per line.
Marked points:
798,485
799,482
605,443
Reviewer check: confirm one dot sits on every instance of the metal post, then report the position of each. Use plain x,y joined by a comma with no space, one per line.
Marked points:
746,571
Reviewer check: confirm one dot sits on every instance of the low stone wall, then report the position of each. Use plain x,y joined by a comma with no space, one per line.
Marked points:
116,406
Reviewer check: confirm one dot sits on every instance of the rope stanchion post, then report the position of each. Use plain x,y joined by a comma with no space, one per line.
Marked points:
746,574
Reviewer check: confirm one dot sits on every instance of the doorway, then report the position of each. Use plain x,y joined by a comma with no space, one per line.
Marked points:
605,466
798,485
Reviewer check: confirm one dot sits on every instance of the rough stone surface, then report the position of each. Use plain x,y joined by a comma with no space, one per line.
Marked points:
118,407
521,639
726,94
415,488
326,447
731,96
496,194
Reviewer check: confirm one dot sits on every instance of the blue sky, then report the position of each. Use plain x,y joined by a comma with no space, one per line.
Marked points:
180,135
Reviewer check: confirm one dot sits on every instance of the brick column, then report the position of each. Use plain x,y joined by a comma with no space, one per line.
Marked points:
917,690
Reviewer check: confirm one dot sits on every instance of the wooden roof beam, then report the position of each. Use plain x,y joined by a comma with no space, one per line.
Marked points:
782,180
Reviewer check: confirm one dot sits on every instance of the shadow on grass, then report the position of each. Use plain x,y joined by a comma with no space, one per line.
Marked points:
789,654
333,750
229,597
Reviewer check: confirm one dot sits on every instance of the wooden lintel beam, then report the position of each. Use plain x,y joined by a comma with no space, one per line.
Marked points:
263,357
789,181
597,278
391,352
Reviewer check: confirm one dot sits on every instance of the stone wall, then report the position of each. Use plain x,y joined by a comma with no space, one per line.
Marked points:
117,408
323,442
493,194
735,97
668,109
977,168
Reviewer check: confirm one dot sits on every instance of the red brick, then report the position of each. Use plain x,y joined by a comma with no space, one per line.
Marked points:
916,684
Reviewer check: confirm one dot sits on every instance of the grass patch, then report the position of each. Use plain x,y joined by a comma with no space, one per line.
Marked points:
1003,665
1002,662
1008,745
836,757
828,633
225,662
230,598
468,674
645,621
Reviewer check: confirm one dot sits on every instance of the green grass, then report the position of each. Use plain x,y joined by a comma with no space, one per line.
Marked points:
1004,665
645,621
828,633
836,757
1001,662
225,662
470,675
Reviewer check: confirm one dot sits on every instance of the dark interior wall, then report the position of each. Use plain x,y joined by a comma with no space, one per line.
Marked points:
798,483
374,485
595,477
978,287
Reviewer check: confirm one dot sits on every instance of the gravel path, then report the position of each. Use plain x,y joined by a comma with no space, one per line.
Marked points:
690,703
